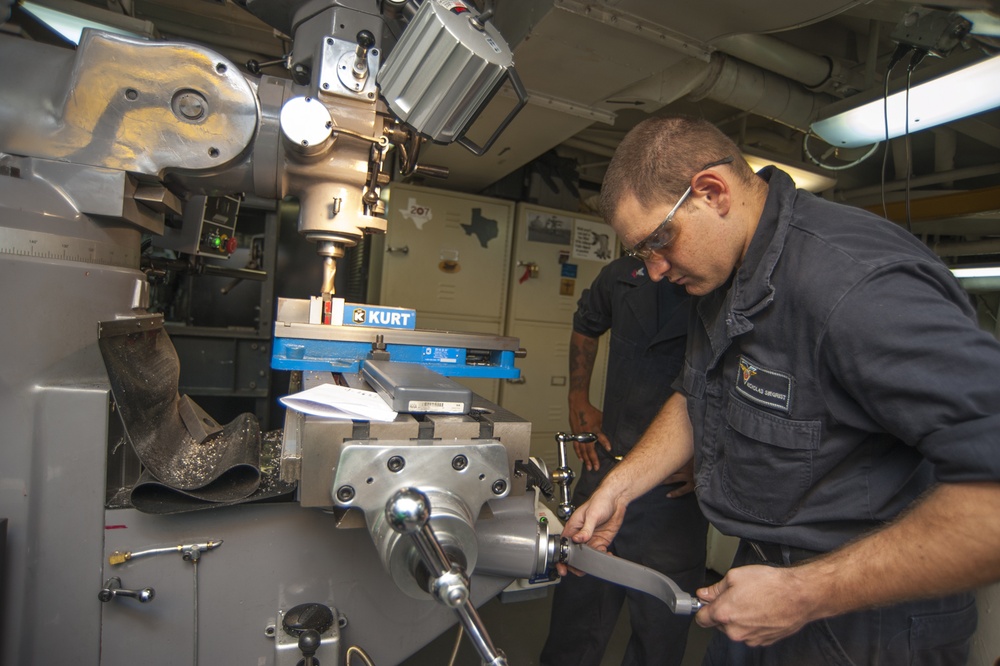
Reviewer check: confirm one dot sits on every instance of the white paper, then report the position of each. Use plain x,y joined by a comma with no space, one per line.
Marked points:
340,402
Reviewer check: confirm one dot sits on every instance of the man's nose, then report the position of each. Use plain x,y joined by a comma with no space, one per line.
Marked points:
656,267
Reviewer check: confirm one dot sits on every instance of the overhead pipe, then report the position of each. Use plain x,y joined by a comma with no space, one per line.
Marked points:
923,181
589,147
770,53
966,248
744,86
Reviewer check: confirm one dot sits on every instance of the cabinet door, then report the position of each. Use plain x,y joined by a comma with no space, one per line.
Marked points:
446,253
540,395
556,256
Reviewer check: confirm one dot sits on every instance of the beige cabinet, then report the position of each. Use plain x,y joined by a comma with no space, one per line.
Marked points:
556,255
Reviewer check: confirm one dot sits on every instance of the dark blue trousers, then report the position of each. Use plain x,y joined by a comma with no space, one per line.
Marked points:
933,632
661,533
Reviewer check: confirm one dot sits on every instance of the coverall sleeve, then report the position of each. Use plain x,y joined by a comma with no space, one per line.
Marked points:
593,311
906,356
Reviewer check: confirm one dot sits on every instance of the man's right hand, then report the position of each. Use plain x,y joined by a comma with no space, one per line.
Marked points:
595,523
583,418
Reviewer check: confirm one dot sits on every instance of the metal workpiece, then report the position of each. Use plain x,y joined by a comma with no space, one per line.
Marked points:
202,107
628,574
408,512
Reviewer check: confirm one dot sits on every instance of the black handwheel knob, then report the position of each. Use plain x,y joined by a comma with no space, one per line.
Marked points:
302,618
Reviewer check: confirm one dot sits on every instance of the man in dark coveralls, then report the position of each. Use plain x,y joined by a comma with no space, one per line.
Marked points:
664,529
842,405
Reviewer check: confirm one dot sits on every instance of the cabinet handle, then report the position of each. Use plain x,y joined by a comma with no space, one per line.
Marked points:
402,250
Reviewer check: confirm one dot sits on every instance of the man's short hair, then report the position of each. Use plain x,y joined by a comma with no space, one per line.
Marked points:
657,159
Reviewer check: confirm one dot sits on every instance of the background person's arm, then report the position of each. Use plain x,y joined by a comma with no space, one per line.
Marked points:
583,416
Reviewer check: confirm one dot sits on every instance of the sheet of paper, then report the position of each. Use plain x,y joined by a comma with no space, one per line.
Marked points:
340,402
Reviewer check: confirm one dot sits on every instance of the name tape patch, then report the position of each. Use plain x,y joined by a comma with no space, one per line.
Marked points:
764,387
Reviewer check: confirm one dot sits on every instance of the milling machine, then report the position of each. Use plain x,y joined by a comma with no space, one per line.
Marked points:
139,529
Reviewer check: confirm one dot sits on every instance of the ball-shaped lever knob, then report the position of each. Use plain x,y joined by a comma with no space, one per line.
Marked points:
309,642
365,39
408,510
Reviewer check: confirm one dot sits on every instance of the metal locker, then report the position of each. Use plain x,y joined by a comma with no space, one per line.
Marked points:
556,255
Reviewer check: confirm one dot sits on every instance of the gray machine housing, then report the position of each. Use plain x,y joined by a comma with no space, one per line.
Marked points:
97,147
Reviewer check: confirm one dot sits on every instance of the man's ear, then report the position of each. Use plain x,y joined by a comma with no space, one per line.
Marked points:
714,191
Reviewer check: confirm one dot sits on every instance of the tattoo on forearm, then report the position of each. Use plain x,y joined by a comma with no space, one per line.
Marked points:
582,353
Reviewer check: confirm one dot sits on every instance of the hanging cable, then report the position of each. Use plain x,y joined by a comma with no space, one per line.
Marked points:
356,651
458,643
838,167
918,55
897,55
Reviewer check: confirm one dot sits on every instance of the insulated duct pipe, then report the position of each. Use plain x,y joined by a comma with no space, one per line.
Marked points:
774,55
743,86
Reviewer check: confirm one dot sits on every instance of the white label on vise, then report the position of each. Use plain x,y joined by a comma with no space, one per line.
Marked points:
489,40
436,406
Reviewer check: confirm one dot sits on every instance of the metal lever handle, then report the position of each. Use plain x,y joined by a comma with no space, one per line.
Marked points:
563,476
366,40
113,588
623,572
408,512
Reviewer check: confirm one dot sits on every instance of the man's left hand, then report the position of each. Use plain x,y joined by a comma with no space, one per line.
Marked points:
757,605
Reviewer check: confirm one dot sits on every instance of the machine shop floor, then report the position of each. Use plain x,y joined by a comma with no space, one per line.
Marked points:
519,629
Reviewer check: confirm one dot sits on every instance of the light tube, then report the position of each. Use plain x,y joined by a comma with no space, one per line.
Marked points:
964,92
976,272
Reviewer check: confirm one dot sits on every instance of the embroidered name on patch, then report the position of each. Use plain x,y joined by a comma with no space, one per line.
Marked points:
765,387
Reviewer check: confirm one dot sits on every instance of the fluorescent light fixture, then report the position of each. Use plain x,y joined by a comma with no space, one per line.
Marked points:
963,92
812,181
68,26
976,272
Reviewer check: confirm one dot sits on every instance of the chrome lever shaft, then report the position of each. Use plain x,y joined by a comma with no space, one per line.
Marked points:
408,512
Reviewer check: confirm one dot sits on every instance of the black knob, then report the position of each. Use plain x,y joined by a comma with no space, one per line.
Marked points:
306,617
309,642
366,39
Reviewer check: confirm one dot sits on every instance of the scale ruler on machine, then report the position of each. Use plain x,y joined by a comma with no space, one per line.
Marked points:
42,245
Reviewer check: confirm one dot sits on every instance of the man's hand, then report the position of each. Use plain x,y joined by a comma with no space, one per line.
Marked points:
757,605
584,417
595,523
684,476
